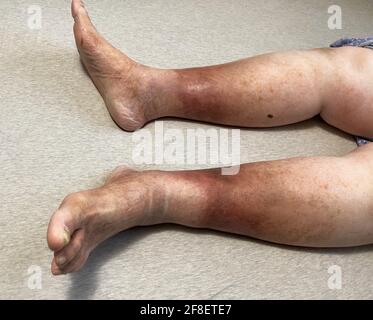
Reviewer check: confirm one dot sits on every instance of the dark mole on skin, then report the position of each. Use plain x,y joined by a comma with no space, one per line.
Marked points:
270,116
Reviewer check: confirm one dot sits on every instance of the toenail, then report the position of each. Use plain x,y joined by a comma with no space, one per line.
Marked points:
66,236
61,260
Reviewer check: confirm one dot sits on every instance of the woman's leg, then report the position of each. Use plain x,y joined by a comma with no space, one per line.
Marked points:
320,202
264,91
315,202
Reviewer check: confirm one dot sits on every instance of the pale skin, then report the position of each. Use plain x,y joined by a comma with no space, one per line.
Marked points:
312,202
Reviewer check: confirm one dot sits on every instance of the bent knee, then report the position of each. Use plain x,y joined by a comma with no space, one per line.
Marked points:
348,95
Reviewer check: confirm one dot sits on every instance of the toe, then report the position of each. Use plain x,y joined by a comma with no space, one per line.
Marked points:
75,5
58,234
76,264
70,251
77,8
80,15
65,221
86,36
56,271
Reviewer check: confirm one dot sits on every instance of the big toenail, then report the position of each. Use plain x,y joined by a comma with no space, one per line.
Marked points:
66,236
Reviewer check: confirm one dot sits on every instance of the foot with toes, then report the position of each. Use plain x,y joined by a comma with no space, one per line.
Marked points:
128,198
87,218
122,82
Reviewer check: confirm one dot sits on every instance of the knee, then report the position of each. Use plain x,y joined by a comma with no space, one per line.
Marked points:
348,95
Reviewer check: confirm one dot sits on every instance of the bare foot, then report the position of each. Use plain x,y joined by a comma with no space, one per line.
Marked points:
122,82
87,218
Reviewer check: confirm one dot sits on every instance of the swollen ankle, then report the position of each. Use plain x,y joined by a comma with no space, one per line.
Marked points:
155,198
187,197
161,91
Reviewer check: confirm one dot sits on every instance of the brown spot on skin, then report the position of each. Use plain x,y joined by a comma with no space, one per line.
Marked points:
270,116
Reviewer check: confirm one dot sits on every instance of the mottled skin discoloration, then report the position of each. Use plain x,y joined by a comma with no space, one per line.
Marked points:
247,92
313,202
316,202
304,201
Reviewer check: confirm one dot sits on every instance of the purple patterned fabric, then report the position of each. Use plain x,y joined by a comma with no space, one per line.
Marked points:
356,42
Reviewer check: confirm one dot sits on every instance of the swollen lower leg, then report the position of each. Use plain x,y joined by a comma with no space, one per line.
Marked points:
315,202
263,91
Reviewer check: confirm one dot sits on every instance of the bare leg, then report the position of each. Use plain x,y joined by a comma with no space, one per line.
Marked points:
264,91
319,202
316,202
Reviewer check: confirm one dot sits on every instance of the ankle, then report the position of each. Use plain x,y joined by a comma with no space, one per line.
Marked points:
186,197
159,89
154,197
